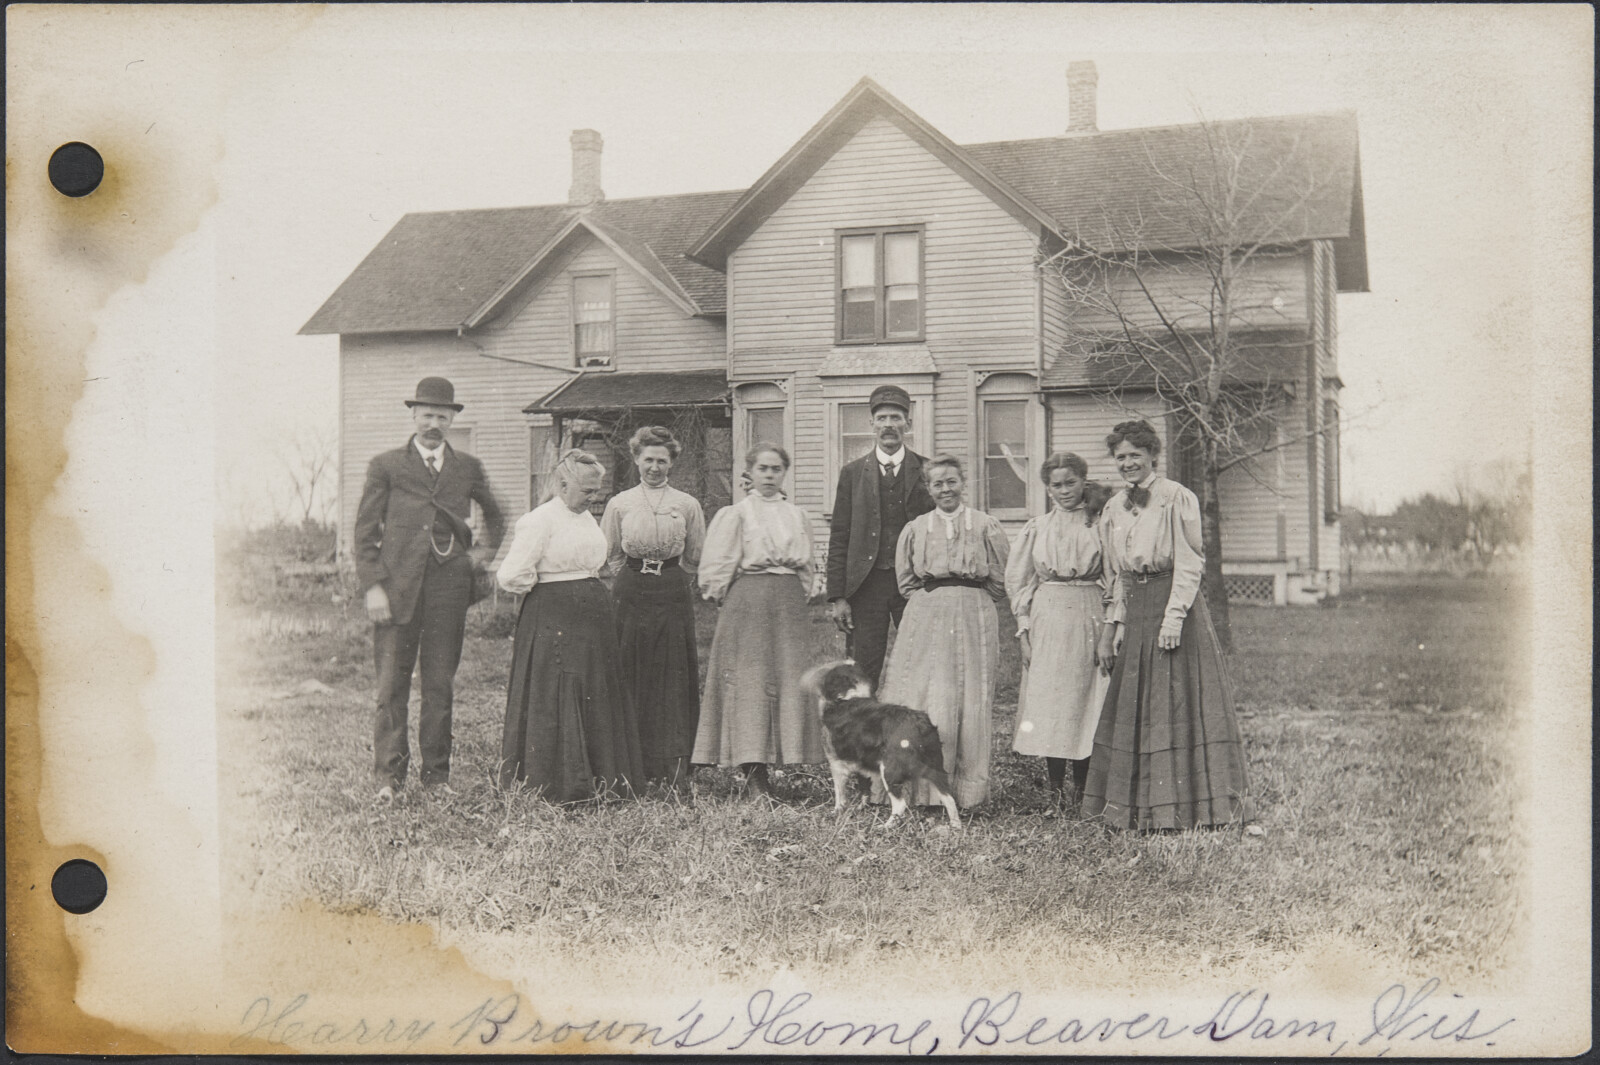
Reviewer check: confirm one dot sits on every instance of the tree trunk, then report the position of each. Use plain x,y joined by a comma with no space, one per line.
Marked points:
1211,583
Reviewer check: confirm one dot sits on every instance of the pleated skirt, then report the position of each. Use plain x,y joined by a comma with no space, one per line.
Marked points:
945,662
752,709
1059,699
570,729
660,666
1167,751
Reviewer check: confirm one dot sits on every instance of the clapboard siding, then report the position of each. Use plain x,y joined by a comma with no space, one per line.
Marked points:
978,259
652,333
377,373
1270,293
1252,501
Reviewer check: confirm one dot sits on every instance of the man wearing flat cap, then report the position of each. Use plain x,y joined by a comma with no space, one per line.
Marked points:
878,494
415,559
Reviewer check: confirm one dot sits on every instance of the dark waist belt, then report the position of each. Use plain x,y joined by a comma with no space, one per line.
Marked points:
950,582
1149,575
1073,580
652,565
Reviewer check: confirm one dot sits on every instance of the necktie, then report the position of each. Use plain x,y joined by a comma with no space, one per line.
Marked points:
1137,497
433,467
888,469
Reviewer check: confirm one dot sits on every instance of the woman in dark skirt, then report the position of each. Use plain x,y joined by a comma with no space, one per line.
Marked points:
570,729
654,533
1167,751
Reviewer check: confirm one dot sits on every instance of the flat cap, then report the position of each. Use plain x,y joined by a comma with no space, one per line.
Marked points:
892,395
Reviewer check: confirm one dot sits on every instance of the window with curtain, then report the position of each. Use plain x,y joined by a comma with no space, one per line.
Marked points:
593,316
765,426
1005,455
880,285
541,459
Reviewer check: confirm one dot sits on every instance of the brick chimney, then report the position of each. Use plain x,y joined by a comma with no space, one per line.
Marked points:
1081,107
586,145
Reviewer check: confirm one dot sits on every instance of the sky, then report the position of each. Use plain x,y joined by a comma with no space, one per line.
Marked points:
1474,132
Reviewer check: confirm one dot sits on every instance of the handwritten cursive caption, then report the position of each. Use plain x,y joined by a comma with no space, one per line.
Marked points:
1399,1017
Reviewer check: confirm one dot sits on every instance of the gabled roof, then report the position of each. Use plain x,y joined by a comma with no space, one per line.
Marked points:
1299,177
440,270
867,100
622,391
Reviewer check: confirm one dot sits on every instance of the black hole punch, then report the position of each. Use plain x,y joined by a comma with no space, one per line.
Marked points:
78,886
76,169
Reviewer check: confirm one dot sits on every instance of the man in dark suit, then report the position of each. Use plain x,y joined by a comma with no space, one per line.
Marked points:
415,559
878,494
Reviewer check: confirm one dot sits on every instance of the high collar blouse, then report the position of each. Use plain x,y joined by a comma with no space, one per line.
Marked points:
552,543
755,535
1056,546
1165,535
655,523
968,544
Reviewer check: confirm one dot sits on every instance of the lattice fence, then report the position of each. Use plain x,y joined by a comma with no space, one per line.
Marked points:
1249,587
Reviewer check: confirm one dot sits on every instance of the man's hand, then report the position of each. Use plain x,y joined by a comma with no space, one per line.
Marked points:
378,605
839,611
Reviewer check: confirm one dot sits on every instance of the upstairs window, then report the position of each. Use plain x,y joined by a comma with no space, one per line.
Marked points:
594,319
880,285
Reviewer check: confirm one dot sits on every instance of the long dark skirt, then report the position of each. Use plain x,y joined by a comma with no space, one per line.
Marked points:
570,726
655,632
1167,751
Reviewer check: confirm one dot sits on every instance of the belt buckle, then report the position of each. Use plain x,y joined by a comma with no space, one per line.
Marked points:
651,566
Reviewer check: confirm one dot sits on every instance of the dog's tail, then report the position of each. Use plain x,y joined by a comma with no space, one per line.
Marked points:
811,681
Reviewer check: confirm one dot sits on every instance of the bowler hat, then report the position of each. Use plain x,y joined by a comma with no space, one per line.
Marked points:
890,394
435,392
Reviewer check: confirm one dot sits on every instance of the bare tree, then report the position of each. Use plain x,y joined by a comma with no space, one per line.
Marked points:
309,459
1174,294
1494,499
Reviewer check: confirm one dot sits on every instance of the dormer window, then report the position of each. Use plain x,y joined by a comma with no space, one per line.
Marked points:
594,319
880,285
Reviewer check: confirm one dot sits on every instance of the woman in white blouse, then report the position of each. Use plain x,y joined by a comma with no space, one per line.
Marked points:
655,533
951,565
1167,752
757,567
570,728
1057,587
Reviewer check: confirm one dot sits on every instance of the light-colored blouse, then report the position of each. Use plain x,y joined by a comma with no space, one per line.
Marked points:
658,523
755,535
1055,546
967,544
1165,535
552,543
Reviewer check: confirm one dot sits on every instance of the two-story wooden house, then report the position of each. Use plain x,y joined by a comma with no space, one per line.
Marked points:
875,250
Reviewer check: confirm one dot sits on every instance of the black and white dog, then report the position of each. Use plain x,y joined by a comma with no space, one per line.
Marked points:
895,744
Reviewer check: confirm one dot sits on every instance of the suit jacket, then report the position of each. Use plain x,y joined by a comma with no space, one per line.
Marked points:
394,524
853,532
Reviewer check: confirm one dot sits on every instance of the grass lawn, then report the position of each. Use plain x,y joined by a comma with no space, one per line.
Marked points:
1380,742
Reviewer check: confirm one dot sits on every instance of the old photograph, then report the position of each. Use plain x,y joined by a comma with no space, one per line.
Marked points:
788,528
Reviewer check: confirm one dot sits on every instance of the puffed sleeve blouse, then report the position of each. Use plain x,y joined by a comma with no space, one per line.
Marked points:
1165,535
1056,546
755,535
967,544
653,524
551,543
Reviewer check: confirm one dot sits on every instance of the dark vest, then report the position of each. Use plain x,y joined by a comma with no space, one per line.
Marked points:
892,518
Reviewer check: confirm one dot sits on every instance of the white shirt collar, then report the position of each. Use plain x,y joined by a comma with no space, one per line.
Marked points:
1149,479
437,452
891,460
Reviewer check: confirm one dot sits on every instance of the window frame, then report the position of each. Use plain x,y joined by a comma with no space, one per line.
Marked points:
1008,386
578,357
743,407
880,297
539,467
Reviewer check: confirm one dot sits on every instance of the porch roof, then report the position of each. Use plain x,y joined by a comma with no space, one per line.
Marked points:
621,391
